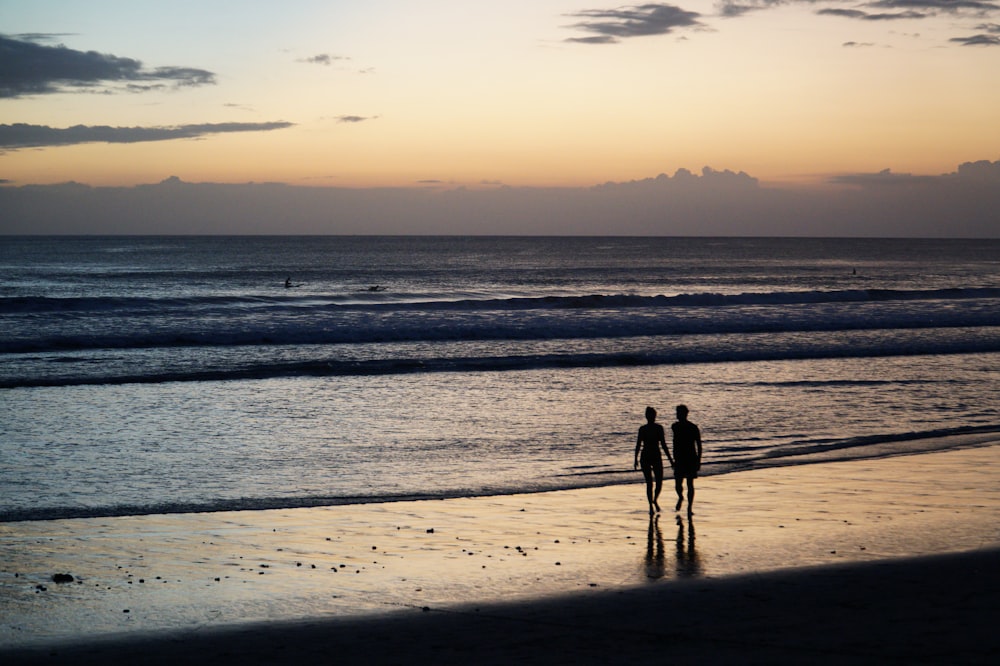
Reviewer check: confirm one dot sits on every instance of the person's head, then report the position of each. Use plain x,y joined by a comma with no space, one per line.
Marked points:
682,412
650,414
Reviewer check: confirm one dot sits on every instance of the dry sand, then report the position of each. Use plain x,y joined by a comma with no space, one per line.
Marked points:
869,561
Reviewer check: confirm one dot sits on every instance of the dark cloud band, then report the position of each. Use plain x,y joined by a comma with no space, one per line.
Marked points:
21,135
938,5
981,172
28,68
978,40
866,16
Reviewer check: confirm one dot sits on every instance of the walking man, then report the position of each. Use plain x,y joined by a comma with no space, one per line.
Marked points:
686,460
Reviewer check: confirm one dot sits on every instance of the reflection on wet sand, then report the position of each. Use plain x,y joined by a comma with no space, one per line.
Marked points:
688,562
655,560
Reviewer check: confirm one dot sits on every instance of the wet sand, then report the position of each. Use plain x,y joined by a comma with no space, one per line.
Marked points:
856,562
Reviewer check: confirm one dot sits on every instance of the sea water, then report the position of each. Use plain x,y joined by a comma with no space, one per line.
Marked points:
166,374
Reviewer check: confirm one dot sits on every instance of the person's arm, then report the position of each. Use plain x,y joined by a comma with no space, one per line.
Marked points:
638,445
697,439
666,449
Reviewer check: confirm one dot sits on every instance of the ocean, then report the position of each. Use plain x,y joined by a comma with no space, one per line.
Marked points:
143,375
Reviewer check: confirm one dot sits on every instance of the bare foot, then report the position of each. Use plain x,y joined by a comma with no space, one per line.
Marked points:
680,500
657,505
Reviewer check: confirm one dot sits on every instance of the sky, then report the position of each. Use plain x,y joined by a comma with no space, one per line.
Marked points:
549,99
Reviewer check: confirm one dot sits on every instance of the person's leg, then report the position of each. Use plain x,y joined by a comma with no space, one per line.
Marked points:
658,474
679,486
690,495
647,473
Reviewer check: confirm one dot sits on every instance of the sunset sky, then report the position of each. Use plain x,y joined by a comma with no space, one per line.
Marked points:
523,93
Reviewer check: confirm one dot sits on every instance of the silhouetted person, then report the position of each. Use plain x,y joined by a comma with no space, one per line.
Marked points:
687,456
288,282
647,452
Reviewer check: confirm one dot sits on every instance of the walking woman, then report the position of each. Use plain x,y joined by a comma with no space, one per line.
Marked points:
647,453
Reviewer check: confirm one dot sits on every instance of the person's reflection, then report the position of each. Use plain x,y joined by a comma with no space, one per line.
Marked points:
655,551
688,564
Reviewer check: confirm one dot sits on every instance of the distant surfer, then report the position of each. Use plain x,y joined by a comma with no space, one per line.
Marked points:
289,285
376,287
647,453
686,460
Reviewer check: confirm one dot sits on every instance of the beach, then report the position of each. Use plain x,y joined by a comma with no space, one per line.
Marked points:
867,561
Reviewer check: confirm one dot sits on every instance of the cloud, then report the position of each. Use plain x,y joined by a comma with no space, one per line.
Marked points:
884,178
900,9
977,40
865,16
885,11
685,179
962,204
43,36
950,6
354,119
22,135
733,8
969,173
29,68
983,170
609,26
990,36
323,59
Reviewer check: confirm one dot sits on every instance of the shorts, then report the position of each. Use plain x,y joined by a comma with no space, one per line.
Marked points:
686,469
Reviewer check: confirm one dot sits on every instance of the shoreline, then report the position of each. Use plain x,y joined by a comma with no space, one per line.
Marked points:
931,442
253,577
